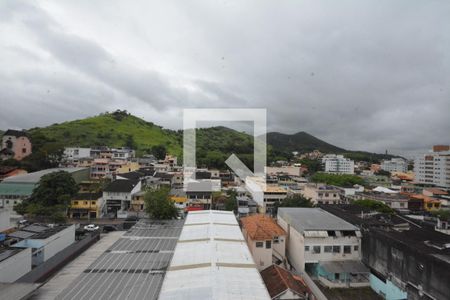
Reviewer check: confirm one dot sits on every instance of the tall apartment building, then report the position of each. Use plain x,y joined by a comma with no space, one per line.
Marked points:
434,167
338,164
394,165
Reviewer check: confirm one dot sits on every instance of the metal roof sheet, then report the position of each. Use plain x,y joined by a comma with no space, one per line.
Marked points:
212,261
316,219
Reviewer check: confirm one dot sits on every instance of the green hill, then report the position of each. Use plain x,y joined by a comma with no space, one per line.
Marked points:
214,144
301,142
115,129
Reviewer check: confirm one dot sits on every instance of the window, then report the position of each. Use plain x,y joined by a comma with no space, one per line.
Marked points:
316,250
336,249
355,248
306,248
268,244
276,240
347,249
85,203
24,150
93,202
327,249
259,244
75,202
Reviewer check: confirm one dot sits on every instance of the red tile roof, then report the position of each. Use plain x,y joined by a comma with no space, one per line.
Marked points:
278,280
261,227
436,191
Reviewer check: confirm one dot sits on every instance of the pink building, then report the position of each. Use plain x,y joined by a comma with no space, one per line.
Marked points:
15,144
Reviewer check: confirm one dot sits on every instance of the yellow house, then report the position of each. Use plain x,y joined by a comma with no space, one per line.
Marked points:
86,205
179,197
127,167
431,204
137,202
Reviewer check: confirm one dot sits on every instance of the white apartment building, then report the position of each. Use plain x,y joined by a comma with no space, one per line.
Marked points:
394,165
75,153
324,245
434,167
338,164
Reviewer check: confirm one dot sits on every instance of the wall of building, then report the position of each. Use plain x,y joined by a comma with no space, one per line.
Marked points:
386,289
311,257
405,267
59,241
295,249
5,222
15,266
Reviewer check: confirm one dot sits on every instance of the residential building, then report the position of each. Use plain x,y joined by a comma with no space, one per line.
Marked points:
433,168
16,144
338,164
212,261
15,189
265,239
322,194
411,263
178,196
395,165
287,170
246,206
86,206
393,200
283,284
74,154
118,195
14,263
327,247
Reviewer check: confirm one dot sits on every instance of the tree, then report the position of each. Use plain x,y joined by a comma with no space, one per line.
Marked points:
51,197
158,204
296,200
129,142
374,205
231,201
342,180
56,188
159,151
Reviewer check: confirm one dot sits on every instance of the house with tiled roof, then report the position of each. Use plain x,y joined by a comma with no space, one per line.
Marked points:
265,238
282,284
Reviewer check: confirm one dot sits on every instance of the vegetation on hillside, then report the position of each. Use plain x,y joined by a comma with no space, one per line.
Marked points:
342,180
116,129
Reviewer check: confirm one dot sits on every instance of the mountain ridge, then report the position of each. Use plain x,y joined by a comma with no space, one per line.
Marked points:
119,128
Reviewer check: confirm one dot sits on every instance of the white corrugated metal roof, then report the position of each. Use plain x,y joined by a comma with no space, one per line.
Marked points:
212,261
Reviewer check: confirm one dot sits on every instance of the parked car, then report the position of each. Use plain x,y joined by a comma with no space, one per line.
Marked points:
109,228
91,227
23,222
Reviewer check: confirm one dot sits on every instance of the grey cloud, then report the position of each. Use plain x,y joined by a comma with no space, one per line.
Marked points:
370,75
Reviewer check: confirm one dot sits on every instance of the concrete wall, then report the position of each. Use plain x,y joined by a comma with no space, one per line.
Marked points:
311,257
386,289
295,249
59,241
5,219
405,267
15,266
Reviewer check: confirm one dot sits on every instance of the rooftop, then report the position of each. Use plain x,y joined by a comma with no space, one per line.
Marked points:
278,280
34,177
121,186
261,227
307,219
16,133
133,267
212,261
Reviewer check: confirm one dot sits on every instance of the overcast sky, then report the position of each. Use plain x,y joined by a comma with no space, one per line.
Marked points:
367,75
